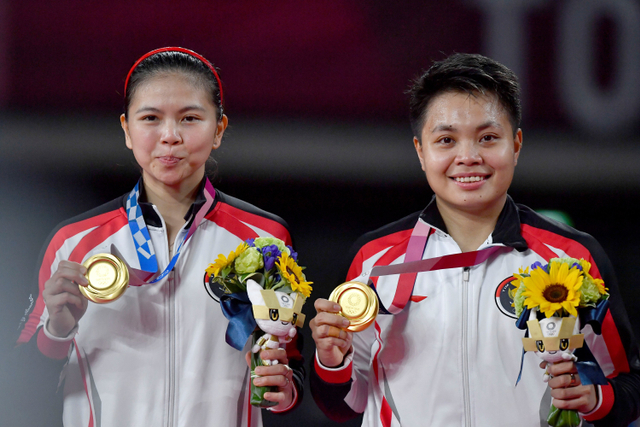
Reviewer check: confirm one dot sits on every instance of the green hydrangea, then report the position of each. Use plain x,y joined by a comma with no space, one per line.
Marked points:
261,242
518,299
565,260
249,261
589,293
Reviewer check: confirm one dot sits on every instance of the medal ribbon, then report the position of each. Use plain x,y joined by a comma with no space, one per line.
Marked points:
414,264
142,239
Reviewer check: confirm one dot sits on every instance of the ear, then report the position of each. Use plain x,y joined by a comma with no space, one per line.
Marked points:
517,146
222,126
253,291
418,146
125,128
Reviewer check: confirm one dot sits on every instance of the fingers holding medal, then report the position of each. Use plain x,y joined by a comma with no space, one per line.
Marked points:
351,307
358,303
101,278
62,296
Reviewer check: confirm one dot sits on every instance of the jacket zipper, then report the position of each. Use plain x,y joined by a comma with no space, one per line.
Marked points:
172,351
171,382
172,334
172,329
465,350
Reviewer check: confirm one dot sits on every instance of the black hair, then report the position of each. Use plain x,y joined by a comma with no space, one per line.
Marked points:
174,61
464,72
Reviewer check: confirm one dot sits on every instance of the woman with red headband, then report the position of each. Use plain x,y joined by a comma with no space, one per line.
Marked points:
157,354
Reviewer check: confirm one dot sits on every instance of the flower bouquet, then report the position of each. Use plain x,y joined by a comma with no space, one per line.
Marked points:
548,298
262,289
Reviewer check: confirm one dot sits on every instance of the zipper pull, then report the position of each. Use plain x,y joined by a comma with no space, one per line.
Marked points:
465,274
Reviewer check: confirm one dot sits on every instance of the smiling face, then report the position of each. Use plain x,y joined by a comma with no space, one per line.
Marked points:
468,152
172,129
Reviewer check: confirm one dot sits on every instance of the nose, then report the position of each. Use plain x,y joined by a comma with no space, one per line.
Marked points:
468,153
170,133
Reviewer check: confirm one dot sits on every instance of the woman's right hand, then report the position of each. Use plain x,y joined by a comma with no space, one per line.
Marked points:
65,304
332,340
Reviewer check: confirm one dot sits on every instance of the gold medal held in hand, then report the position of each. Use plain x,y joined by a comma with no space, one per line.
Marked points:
108,278
359,304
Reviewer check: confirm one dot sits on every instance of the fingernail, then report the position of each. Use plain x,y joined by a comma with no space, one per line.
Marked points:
345,322
336,307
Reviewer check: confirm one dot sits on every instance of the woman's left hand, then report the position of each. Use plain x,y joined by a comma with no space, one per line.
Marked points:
567,390
279,375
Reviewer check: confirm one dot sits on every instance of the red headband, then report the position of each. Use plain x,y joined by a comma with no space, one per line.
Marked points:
175,49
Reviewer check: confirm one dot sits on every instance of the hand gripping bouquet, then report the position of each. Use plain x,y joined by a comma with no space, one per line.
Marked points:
553,302
261,289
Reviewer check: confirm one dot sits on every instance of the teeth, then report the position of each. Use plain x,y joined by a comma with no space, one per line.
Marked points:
469,178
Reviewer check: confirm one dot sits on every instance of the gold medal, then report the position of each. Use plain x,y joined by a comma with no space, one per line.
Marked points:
108,278
359,304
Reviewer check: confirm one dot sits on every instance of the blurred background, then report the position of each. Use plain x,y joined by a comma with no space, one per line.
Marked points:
319,131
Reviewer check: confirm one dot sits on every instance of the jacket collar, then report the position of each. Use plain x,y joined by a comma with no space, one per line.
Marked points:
152,218
507,231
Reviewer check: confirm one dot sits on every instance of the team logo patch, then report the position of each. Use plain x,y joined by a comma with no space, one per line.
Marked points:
214,290
505,292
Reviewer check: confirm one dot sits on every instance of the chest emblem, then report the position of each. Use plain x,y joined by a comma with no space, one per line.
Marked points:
504,297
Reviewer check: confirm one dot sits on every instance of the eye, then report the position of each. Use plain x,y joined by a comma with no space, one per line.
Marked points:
190,118
488,138
149,118
540,346
294,320
273,314
446,140
564,344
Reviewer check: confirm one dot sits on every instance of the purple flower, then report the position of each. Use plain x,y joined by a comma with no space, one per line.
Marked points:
539,265
294,254
250,242
270,255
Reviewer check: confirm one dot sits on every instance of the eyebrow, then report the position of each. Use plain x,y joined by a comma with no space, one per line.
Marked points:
485,125
145,109
489,124
442,128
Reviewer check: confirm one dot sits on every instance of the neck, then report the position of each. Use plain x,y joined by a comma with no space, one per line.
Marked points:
173,203
171,199
469,229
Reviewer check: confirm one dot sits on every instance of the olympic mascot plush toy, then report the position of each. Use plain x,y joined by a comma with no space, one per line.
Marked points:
277,314
553,339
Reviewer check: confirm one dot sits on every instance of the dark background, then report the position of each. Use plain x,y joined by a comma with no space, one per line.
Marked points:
319,129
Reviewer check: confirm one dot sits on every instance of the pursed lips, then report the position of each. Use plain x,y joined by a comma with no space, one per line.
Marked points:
169,160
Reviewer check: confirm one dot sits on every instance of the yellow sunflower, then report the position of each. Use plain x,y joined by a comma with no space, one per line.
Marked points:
292,273
586,266
559,289
223,262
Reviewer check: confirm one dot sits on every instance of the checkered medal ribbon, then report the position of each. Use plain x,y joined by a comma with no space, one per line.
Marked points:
142,239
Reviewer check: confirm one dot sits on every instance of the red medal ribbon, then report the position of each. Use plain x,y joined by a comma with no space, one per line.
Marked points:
414,264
